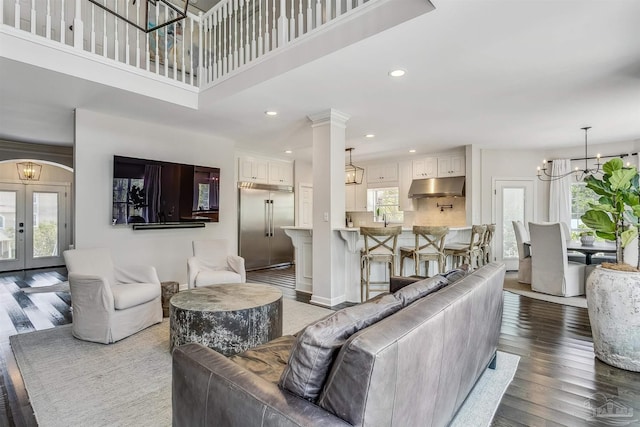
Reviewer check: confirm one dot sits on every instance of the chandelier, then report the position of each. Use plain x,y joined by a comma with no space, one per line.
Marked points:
352,174
155,14
29,171
545,175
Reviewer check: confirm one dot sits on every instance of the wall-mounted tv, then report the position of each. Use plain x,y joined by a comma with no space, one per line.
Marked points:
158,192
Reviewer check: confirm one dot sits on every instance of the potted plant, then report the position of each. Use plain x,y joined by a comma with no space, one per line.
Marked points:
613,289
587,238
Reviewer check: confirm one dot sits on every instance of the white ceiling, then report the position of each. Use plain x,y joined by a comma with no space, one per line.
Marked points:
495,73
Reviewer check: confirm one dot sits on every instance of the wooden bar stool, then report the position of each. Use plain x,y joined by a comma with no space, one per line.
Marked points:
487,238
379,246
429,247
470,251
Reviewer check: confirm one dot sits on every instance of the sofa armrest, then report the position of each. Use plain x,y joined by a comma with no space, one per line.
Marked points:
398,282
136,274
237,264
210,389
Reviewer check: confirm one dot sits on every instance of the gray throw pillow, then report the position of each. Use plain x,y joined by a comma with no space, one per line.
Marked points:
317,345
457,273
421,288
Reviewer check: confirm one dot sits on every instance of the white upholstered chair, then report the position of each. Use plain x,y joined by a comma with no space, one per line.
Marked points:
551,271
110,303
212,264
524,257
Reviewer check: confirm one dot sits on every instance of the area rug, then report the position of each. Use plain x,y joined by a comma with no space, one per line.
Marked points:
77,383
58,287
511,284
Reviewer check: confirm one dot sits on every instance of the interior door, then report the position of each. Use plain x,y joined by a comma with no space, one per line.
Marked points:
33,225
513,201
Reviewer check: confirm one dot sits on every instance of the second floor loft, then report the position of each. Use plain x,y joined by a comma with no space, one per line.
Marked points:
254,39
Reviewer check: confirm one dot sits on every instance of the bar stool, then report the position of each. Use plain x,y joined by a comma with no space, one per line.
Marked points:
487,238
379,246
467,251
431,250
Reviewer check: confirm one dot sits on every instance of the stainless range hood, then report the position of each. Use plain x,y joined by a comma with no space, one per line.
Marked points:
437,187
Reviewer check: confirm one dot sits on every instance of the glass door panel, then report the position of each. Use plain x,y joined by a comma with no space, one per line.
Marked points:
513,202
45,225
11,226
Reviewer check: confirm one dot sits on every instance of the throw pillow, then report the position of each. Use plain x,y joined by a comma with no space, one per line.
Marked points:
317,345
457,273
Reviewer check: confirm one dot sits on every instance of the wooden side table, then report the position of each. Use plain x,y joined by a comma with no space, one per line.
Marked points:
168,289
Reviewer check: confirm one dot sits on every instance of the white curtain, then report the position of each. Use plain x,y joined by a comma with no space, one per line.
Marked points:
560,193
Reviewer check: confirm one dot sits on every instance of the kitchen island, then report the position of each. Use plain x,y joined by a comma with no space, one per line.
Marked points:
302,238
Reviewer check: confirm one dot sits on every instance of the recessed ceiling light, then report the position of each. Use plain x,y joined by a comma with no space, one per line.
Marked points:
271,113
397,73
412,151
369,135
288,151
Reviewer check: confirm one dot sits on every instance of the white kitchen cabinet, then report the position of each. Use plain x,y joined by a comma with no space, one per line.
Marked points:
264,171
451,166
253,169
426,167
280,173
355,198
387,172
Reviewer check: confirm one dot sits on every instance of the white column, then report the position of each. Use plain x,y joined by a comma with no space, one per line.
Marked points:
329,128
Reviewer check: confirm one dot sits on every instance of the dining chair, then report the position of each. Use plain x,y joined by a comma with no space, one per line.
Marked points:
380,244
470,251
524,255
551,271
429,246
571,255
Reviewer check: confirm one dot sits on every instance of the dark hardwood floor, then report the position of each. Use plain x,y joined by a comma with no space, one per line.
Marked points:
558,381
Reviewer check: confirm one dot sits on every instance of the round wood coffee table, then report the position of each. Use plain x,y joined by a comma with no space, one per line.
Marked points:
229,318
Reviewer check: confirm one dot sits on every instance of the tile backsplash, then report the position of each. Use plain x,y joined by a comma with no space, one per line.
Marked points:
430,211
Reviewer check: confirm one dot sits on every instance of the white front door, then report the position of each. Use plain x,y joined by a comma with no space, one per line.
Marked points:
33,225
513,201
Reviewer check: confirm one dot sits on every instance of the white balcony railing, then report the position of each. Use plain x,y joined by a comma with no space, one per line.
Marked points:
199,50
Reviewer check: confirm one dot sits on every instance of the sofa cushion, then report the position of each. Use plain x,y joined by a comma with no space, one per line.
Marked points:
457,273
209,277
129,295
419,289
267,360
316,346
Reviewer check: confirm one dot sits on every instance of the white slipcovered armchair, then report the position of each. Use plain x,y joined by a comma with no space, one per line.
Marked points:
110,303
212,264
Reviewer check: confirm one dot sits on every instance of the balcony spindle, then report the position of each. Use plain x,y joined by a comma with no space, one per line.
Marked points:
225,42
309,16
274,28
126,37
138,34
47,31
33,16
192,53
1,12
116,39
220,41
300,19
157,43
240,59
183,50
267,39
329,15
247,46
234,18
292,22
104,32
16,14
318,14
93,28
63,25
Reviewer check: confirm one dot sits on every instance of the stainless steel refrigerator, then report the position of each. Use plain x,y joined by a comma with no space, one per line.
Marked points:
263,210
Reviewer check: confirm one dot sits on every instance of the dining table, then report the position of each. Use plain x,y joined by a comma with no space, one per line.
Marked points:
588,250
597,247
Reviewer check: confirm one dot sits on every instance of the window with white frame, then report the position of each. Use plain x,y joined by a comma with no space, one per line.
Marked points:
385,204
580,198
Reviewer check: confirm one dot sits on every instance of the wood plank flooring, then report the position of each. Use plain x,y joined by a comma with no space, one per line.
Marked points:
558,381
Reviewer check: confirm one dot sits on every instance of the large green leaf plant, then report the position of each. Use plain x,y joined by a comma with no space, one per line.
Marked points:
615,216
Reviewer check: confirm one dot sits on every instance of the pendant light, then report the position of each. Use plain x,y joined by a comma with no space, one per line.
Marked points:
352,174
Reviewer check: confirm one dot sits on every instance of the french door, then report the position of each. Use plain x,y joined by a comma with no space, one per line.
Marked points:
513,201
33,225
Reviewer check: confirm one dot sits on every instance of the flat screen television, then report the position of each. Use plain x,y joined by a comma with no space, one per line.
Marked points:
158,192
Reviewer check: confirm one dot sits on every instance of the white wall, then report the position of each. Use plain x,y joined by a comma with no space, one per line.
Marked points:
98,138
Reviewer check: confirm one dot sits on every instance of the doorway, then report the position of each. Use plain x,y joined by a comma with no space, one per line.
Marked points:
34,225
513,201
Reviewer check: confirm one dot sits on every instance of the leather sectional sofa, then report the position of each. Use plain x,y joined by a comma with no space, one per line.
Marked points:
408,358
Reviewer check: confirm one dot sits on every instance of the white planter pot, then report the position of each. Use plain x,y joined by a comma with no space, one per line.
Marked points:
613,300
